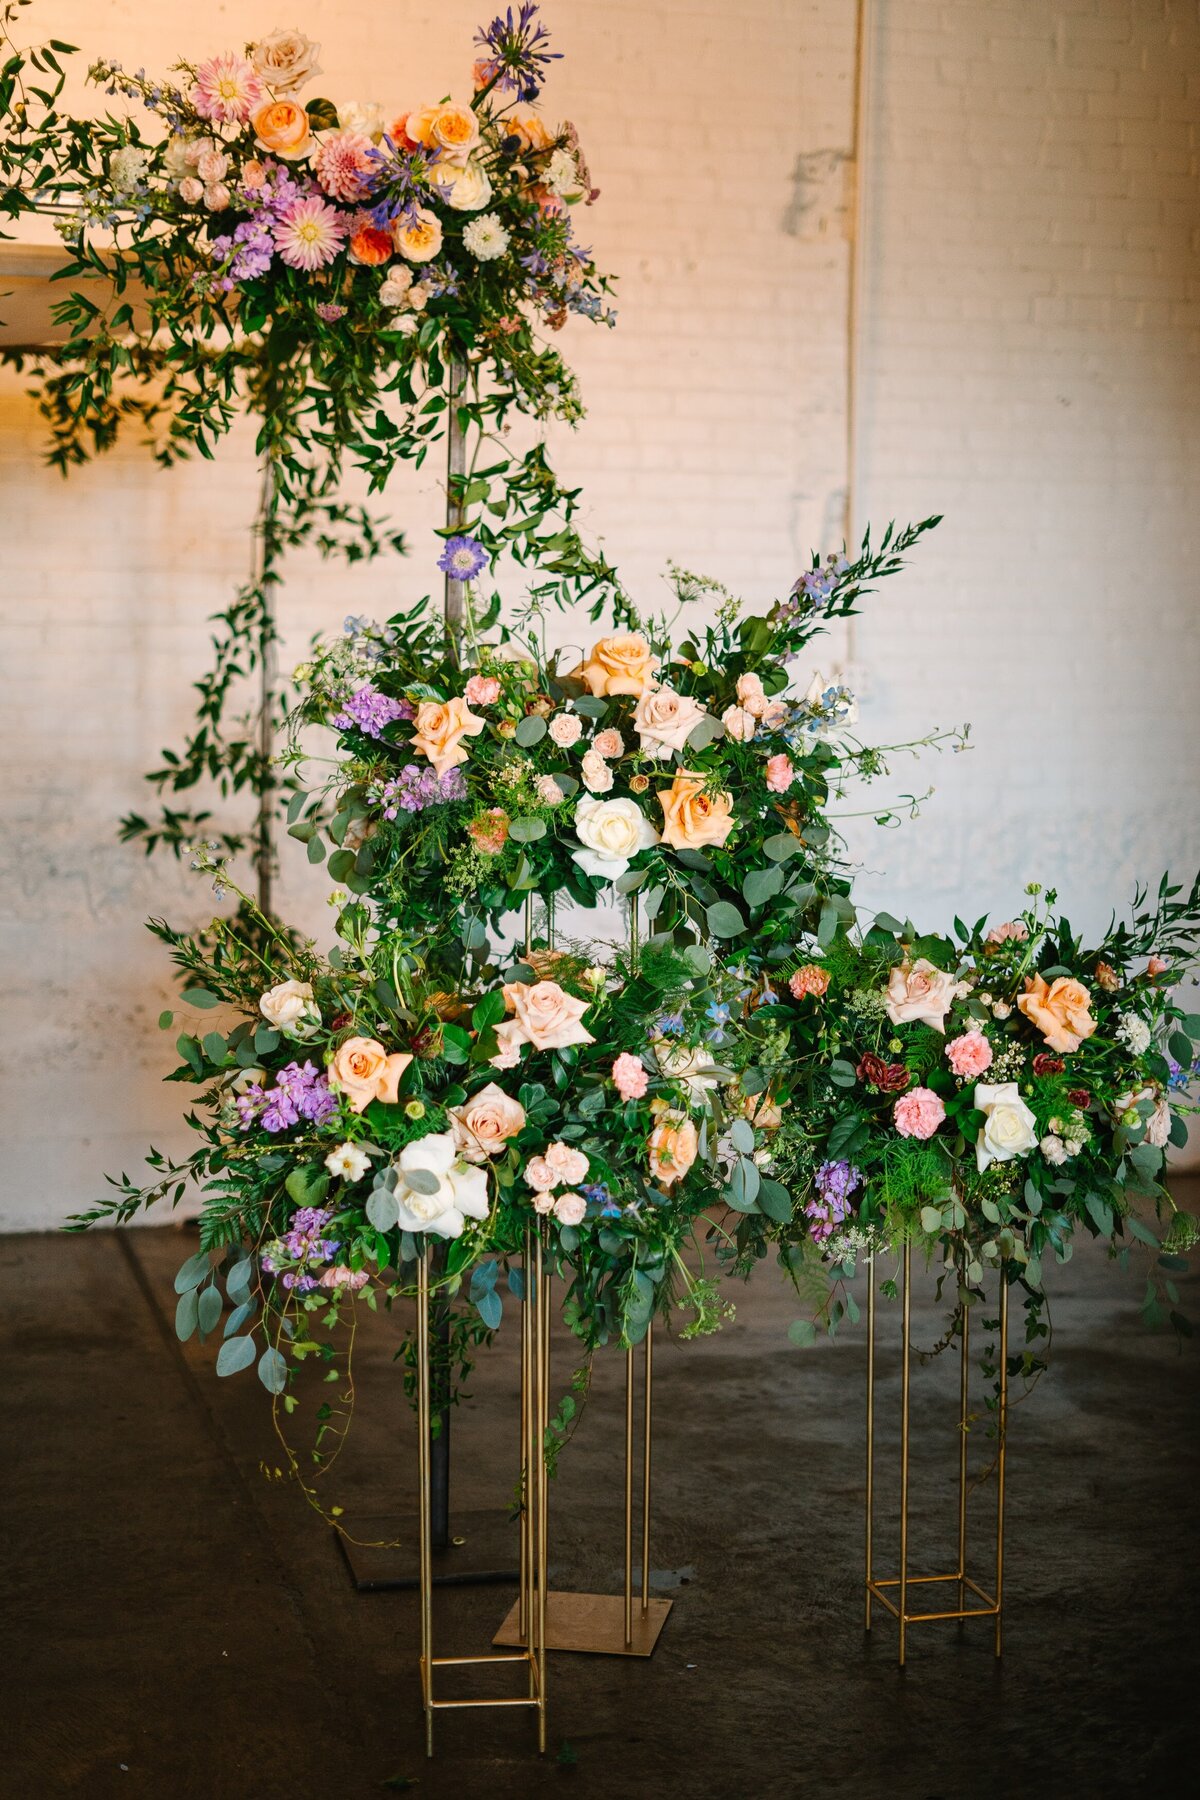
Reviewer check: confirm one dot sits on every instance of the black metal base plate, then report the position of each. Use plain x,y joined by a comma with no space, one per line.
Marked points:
483,1552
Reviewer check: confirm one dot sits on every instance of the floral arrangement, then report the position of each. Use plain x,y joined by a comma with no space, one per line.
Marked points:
988,1095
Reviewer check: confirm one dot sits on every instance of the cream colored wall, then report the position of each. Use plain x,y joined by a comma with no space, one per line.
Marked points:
1031,323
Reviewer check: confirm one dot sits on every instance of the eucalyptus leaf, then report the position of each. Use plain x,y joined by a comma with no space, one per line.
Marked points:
422,1181
272,1369
490,1308
383,1209
187,1315
741,1133
774,1200
530,731
209,1309
527,831
193,1272
236,1354
724,919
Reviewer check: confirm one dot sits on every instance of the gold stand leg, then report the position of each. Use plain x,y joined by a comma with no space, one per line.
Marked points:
964,1352
628,1498
1003,1428
870,1432
423,1477
537,1643
904,1380
646,1435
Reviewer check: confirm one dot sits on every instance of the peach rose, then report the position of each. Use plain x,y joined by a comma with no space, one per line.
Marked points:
550,1018
751,695
739,724
672,1148
281,126
693,819
370,246
570,1209
1060,1010
482,1125
455,131
620,664
919,992
509,1039
363,1071
522,122
664,720
441,729
418,239
418,126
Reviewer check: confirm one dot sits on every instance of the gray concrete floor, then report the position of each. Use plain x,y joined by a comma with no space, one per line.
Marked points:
175,1624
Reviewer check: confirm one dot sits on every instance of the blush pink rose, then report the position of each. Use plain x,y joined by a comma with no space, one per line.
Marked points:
543,1201
540,1175
570,1166
919,993
629,1077
780,773
570,1209
918,1113
970,1054
739,724
481,690
608,744
565,729
751,697
664,720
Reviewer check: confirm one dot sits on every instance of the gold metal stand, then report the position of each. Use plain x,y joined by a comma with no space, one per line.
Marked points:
535,1360
987,1606
610,1624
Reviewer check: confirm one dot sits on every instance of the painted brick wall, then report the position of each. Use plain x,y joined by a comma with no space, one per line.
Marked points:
1031,323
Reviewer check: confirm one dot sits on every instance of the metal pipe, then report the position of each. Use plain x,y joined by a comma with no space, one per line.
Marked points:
629,1497
456,468
904,1375
1000,1461
964,1382
646,1426
870,1428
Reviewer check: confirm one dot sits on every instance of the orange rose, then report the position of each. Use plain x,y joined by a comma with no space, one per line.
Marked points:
441,729
399,133
371,246
418,239
455,131
692,819
363,1071
672,1147
618,665
281,126
1060,1010
522,122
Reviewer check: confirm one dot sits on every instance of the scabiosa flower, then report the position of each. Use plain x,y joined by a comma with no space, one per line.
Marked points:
345,165
485,238
462,558
370,711
310,234
227,89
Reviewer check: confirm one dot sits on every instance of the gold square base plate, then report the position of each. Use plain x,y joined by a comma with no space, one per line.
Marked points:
593,1624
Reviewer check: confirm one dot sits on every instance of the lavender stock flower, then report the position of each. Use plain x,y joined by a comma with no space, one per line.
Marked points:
415,788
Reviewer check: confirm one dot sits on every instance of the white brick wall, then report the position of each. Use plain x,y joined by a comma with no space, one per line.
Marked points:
1031,323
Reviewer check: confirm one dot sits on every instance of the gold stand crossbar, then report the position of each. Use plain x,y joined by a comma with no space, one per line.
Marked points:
990,1606
610,1624
535,1368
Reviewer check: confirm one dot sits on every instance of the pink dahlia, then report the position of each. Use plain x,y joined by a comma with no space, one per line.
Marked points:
969,1054
310,233
918,1113
343,165
227,89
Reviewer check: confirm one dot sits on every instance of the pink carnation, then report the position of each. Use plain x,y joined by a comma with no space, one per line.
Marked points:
481,690
227,89
780,773
969,1054
343,165
629,1077
918,1113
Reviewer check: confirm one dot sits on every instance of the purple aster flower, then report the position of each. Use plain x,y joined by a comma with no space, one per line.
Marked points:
462,558
370,711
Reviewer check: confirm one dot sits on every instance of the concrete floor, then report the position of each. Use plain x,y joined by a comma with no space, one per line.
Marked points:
176,1625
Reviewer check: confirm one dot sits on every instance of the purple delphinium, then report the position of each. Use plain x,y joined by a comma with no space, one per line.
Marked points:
462,558
415,788
830,1205
300,1092
370,711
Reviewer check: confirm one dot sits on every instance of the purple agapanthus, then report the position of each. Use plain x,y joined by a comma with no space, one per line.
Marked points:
300,1092
462,558
830,1205
415,788
369,711
519,58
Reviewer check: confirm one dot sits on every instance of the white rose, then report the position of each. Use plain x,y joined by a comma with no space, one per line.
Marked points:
689,1064
466,189
348,1161
362,115
611,833
1008,1129
175,157
435,1190
291,1009
404,323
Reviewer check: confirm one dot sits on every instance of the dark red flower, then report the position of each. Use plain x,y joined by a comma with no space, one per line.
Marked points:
889,1078
1079,1096
341,1021
1048,1065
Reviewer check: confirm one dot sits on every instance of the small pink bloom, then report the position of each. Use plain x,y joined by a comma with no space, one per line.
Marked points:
918,1113
212,165
565,729
739,724
1157,965
751,697
540,1175
608,744
629,1077
1015,930
254,174
481,690
227,89
569,1165
570,1209
780,774
811,979
548,791
217,197
191,190
340,1276
970,1054
543,1202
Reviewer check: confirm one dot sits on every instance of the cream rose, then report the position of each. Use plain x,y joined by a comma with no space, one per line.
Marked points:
672,1148
455,131
621,664
751,695
1008,1129
482,1125
362,115
440,730
467,189
739,723
509,1039
664,720
286,60
289,1006
549,1018
691,1065
363,1071
919,992
611,833
419,239
1060,1010
435,1190
692,819
570,1209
